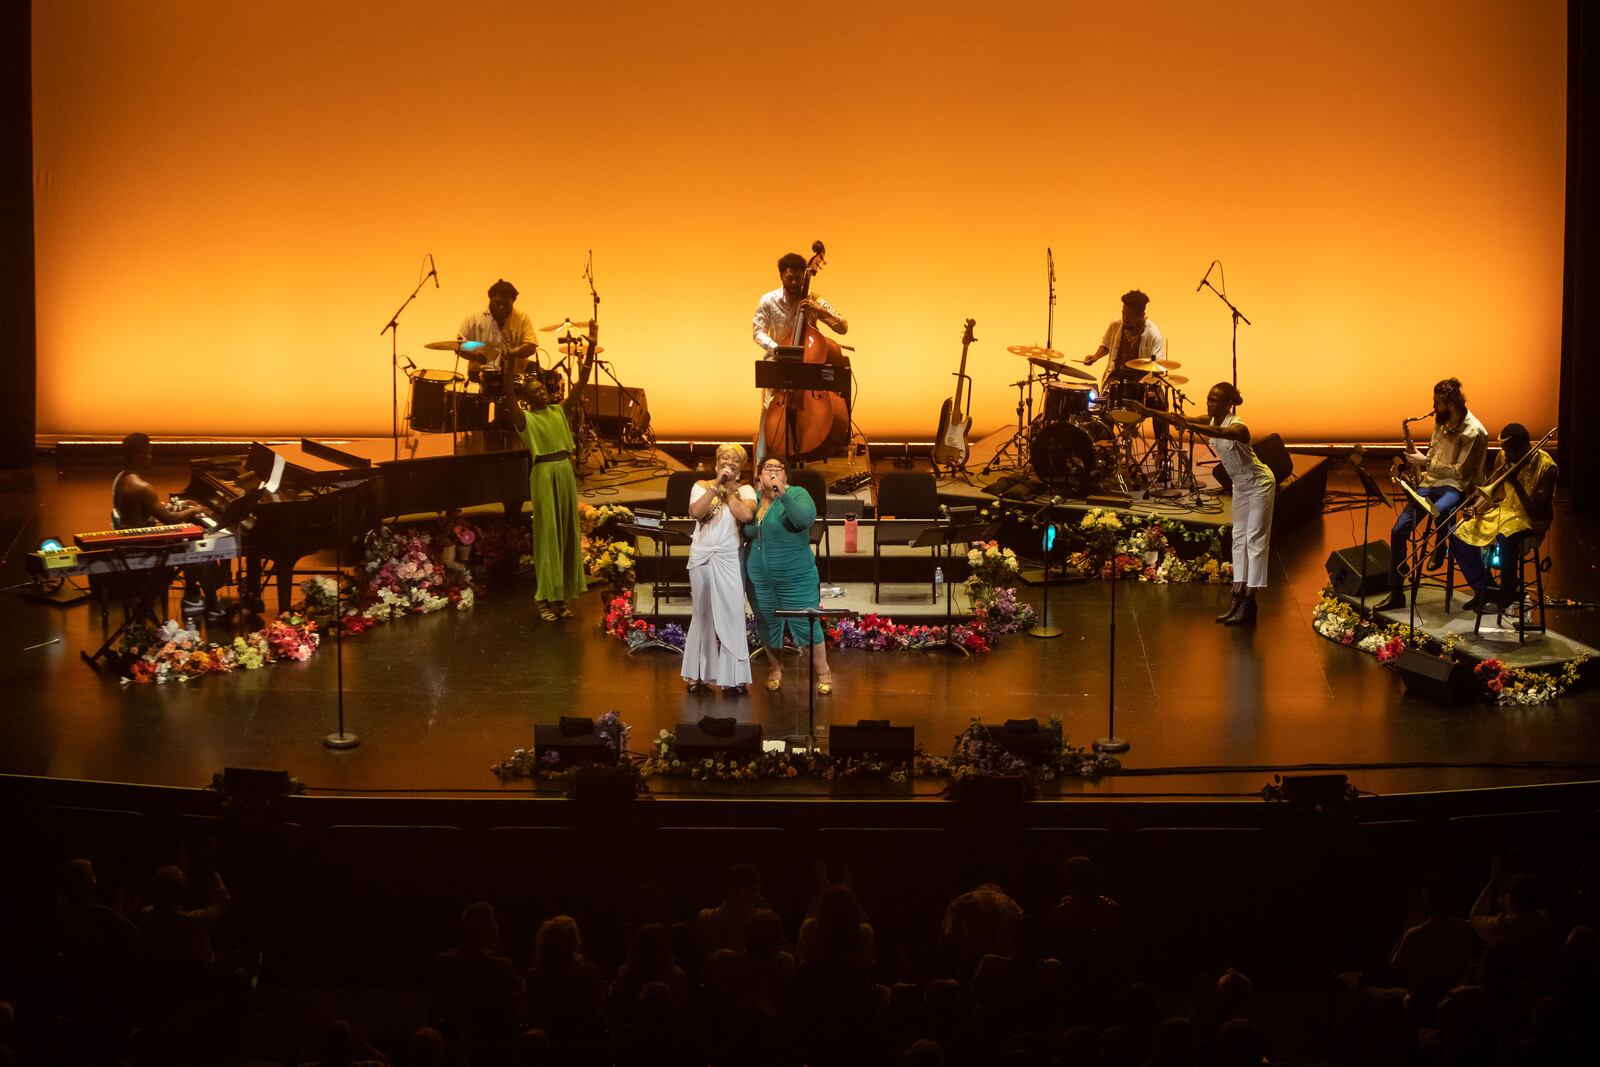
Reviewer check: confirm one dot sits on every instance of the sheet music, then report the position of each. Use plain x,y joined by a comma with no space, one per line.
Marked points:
277,473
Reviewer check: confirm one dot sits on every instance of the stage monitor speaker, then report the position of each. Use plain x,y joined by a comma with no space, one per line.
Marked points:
1025,738
873,739
1016,487
1344,569
573,739
711,737
1269,450
613,410
1440,681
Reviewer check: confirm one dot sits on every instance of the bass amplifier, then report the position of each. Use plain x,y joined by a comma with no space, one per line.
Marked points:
613,411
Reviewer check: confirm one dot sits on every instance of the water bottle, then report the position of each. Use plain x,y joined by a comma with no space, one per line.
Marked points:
850,531
938,583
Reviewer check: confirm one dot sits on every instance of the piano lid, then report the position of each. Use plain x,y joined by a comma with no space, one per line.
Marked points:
307,465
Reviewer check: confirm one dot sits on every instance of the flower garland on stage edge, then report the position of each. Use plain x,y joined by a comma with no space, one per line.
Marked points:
975,756
409,571
1123,545
995,612
1335,619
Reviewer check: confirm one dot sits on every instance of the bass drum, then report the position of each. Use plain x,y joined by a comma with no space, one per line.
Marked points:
1071,457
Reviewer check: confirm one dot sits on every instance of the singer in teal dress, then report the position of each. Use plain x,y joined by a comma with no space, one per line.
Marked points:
783,572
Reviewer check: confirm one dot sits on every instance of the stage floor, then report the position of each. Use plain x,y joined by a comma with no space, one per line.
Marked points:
1210,711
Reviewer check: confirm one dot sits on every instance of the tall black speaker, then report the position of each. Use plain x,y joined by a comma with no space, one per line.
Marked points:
1344,569
1441,681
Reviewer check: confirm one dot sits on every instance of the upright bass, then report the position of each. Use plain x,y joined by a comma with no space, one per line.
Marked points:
821,420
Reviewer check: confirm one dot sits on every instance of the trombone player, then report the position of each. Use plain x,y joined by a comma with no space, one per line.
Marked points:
1451,467
1511,510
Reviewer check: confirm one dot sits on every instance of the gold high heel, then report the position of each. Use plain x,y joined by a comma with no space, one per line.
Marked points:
825,684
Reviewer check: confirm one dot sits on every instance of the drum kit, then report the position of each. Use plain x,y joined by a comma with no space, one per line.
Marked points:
453,401
1084,439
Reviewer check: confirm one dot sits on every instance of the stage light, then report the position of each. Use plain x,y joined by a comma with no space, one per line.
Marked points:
50,544
1494,555
1049,537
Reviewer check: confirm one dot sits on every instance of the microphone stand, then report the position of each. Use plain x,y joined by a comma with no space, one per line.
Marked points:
1050,321
392,328
1044,629
1238,316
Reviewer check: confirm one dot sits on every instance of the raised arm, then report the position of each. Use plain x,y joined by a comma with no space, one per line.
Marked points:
508,397
799,510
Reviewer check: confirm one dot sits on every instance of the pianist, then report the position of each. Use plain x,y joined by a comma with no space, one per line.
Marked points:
553,497
135,503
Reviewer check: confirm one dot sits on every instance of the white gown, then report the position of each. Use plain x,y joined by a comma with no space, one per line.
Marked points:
716,649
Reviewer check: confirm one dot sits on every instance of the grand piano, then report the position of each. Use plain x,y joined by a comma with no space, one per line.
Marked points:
309,494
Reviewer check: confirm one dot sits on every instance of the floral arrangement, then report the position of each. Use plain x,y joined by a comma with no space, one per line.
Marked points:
990,566
175,651
403,574
460,531
1160,550
613,562
601,522
613,733
1335,619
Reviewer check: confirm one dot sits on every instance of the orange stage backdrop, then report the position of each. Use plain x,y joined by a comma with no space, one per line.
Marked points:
232,198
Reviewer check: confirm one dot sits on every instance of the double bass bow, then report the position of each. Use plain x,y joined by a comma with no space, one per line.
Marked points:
804,422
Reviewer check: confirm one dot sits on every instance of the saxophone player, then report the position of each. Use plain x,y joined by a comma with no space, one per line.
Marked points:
1451,467
1519,507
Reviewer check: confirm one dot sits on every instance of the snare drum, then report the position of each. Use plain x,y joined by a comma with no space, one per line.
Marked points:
1120,390
429,412
1063,400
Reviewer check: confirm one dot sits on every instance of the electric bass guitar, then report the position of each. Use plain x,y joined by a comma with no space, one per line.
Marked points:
950,444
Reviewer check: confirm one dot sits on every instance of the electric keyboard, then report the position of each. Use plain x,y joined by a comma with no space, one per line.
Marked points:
137,556
138,535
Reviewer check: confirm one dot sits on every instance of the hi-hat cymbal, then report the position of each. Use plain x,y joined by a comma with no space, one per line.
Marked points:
565,325
1050,366
1171,379
1153,364
578,342
476,351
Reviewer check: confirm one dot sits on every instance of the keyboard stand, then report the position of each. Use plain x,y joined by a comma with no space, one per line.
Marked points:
142,586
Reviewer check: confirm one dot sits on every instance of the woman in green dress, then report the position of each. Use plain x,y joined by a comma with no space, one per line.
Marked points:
553,494
783,572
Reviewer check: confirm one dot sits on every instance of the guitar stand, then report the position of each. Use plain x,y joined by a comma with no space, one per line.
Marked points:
1016,445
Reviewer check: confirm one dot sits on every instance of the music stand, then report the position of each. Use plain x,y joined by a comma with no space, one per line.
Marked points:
787,373
1415,559
663,537
1370,491
816,615
950,532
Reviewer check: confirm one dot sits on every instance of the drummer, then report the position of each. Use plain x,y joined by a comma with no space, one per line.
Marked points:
1132,337
504,327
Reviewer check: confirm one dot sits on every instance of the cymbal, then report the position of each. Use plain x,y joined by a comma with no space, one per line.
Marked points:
565,324
1050,366
1077,387
1173,379
476,351
579,342
1035,352
1153,364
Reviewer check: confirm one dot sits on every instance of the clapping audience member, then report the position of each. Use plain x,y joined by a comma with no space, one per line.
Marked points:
565,992
177,938
1435,955
975,925
1508,908
723,926
650,959
475,988
99,949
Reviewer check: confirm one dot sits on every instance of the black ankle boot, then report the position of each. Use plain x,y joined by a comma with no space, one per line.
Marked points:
1233,608
1393,602
1244,614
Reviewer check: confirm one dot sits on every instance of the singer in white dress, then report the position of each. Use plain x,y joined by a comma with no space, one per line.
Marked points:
716,650
1254,492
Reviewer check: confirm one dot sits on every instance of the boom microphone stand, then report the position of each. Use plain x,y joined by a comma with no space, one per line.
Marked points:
1238,316
392,328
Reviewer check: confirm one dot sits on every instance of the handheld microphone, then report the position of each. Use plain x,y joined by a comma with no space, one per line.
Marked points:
1207,276
433,269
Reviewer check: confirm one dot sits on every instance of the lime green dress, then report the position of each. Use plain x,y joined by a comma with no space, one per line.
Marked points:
782,570
553,497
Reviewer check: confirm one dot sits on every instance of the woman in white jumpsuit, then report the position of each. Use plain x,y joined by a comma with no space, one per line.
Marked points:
1254,489
716,650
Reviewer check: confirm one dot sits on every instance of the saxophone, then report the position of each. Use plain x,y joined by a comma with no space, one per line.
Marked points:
1401,470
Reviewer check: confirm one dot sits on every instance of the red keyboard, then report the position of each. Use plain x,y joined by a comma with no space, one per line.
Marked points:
139,535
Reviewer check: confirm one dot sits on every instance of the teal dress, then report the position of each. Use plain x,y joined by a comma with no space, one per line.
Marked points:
782,570
553,494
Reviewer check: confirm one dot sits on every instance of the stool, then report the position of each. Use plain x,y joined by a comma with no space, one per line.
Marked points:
1532,552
